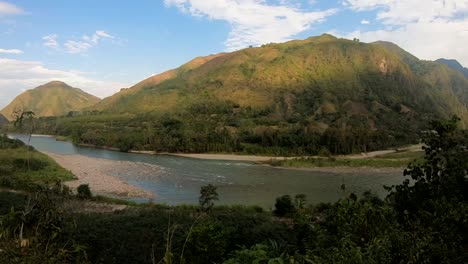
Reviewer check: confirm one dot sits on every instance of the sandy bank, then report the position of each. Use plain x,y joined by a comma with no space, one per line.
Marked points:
98,173
231,157
264,159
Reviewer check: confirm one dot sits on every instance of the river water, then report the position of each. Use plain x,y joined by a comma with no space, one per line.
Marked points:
246,183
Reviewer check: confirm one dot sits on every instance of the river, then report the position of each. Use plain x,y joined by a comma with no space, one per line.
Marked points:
238,182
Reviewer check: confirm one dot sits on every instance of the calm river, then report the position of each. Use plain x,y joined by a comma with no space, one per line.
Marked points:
237,182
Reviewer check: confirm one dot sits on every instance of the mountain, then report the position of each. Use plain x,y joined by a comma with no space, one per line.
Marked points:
116,101
333,72
3,120
454,64
52,99
300,97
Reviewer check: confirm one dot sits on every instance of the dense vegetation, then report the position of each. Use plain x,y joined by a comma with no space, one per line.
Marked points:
201,133
422,220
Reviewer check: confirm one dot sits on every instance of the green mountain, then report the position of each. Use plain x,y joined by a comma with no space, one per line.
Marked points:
51,99
454,64
340,75
298,97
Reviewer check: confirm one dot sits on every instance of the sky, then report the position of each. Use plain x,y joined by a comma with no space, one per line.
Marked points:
103,46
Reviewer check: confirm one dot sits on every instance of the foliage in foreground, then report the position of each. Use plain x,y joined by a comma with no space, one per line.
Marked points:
423,220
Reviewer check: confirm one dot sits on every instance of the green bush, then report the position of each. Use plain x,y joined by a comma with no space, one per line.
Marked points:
284,206
84,192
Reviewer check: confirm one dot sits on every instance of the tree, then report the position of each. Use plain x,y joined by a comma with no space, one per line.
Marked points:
434,205
208,195
442,175
20,117
84,192
284,206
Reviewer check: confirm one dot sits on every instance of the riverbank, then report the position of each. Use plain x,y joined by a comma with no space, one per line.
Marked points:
273,160
269,159
102,174
382,160
227,157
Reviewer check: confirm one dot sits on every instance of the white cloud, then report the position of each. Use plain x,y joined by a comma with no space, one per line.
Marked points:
86,42
11,51
77,46
398,12
254,22
19,75
9,9
365,22
429,30
51,41
103,34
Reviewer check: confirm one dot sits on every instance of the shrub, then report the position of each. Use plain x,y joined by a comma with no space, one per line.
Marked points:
84,192
284,206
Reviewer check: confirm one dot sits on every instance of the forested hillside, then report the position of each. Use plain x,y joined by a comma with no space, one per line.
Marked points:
321,94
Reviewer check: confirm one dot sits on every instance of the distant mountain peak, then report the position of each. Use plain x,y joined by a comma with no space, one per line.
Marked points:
56,83
454,64
54,98
454,61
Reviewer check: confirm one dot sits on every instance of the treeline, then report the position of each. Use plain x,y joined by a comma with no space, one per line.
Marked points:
226,127
422,221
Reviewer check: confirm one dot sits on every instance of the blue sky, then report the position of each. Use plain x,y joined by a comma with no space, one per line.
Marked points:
102,46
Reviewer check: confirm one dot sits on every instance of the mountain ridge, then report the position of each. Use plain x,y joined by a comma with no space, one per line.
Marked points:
204,74
454,64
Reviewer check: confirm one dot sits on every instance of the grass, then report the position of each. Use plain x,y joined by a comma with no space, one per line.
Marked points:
22,166
392,160
113,200
403,155
31,165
